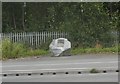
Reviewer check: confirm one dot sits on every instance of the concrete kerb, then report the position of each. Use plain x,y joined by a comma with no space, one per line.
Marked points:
87,71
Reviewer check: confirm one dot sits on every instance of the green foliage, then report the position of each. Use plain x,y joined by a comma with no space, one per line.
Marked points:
59,16
37,52
6,48
94,71
88,25
16,50
45,46
94,50
12,50
85,22
119,48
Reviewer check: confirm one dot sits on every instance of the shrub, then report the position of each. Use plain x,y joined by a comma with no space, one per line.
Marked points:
18,50
12,50
6,48
45,46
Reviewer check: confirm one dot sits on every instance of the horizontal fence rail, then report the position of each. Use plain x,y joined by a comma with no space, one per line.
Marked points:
33,39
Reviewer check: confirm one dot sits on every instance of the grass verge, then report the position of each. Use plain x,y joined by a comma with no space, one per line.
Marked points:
94,50
9,50
37,52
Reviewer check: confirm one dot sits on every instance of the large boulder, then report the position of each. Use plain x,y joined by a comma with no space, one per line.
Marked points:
60,46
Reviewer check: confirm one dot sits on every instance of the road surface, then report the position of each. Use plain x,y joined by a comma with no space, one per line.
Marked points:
67,63
104,77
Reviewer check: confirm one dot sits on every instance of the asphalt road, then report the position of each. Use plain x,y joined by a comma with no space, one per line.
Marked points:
104,77
67,63
57,63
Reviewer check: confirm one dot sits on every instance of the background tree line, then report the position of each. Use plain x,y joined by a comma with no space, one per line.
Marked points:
86,23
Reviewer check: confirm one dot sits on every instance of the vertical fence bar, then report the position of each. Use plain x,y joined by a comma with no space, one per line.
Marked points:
12,37
38,39
34,39
18,37
22,37
44,36
29,38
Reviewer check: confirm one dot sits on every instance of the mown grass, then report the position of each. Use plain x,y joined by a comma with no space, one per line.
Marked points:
94,50
37,52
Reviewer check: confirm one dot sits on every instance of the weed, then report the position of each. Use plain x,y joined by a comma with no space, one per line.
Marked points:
94,71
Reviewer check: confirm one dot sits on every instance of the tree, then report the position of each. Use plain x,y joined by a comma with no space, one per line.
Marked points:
86,22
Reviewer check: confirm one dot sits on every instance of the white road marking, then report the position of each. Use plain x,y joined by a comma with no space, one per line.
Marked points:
63,69
59,64
85,74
